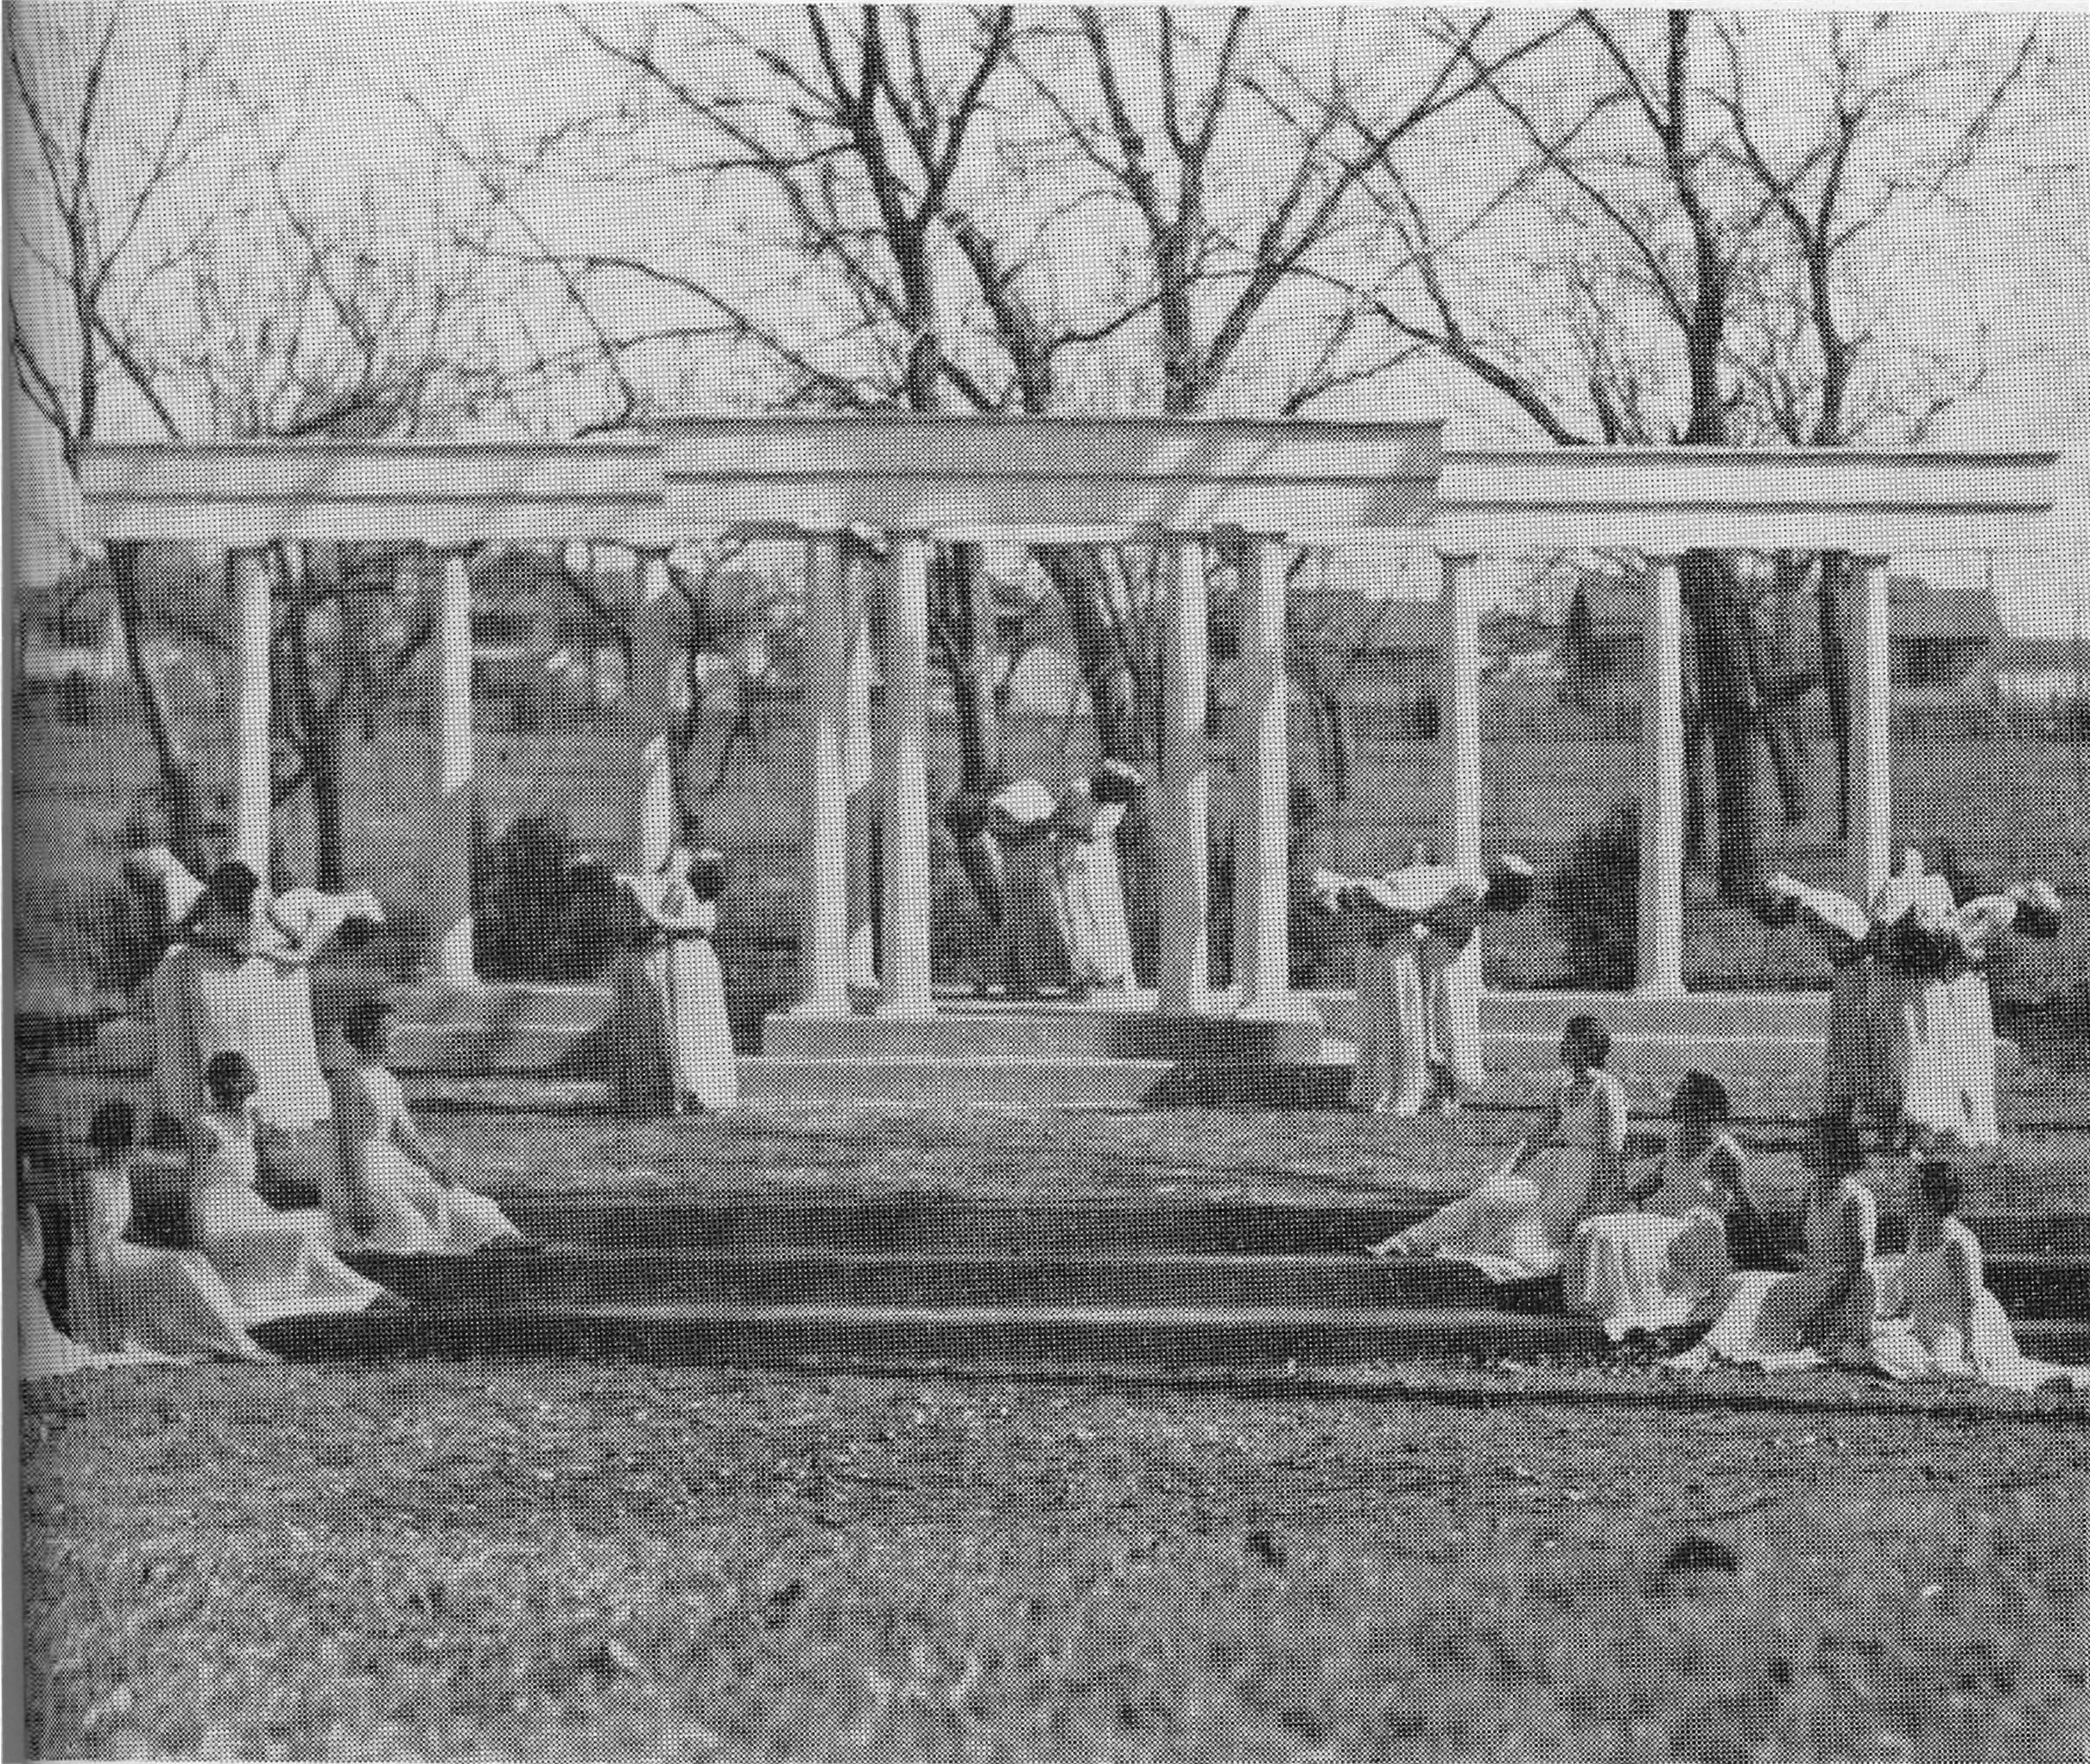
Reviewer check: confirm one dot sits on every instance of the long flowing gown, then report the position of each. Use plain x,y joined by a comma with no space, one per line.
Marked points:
1944,1328
1768,1318
275,1264
678,1043
246,986
1661,1267
1451,1002
147,1300
47,1350
1101,946
1034,917
1921,1028
1392,1074
1517,1226
1944,1036
409,1212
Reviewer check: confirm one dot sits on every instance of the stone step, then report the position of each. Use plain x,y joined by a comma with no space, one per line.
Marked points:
1061,1032
840,1224
758,1334
567,1279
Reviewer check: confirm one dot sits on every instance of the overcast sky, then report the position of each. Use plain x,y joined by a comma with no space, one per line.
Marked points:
505,71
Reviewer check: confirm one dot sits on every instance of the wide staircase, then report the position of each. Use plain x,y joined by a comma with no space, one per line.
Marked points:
946,1199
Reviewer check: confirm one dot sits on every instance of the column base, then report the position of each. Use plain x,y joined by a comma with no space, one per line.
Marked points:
819,1011
455,965
1287,1007
1659,988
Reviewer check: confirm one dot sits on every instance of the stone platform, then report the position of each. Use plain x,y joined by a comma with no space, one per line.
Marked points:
548,1049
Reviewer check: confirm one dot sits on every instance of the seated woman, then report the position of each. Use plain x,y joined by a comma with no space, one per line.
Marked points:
1825,1310
1517,1225
275,1264
1665,1264
401,1194
1946,1323
137,1292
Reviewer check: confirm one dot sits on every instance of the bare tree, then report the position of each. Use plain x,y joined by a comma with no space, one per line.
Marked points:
127,140
1678,301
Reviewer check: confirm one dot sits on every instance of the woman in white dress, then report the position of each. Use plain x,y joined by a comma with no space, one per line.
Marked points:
1946,1323
1666,1264
1943,1036
1390,1076
275,1264
133,1298
1826,1310
240,980
1517,1224
682,1046
1451,988
1094,887
401,1194
1036,946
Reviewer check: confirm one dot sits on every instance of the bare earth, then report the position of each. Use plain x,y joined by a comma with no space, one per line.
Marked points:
473,1559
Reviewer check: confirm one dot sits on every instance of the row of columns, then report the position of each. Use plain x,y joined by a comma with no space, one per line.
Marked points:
836,945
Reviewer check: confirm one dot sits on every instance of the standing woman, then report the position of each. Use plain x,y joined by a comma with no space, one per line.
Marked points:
1451,988
1035,942
1390,1071
1089,817
967,819
686,1045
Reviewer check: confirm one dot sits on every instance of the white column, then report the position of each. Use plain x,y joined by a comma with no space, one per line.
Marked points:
1458,739
1867,647
1261,845
1183,976
858,567
450,889
659,673
904,987
1460,714
823,940
253,771
1659,966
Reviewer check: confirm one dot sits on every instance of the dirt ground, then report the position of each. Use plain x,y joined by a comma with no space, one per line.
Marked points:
480,1560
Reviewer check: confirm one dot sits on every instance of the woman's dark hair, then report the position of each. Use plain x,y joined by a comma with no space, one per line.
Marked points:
966,815
230,1077
364,1020
1115,781
1838,1146
1590,1035
233,886
707,875
1701,1096
1939,1186
112,1128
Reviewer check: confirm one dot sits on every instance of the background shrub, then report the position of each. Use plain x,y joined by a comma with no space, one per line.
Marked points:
1595,901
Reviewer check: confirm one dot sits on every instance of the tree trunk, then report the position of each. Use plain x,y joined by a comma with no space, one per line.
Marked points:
968,598
180,795
1727,700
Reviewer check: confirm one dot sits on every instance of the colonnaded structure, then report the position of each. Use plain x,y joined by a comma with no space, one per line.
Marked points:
1243,486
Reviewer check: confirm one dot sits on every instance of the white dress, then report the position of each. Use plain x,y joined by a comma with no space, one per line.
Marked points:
408,1212
1392,1075
1451,1006
274,1264
47,1350
1938,1034
679,1044
1517,1226
1768,1318
1659,1268
146,1300
220,992
1094,888
1950,1325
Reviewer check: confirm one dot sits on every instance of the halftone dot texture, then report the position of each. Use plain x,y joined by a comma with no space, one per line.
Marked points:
1002,1371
